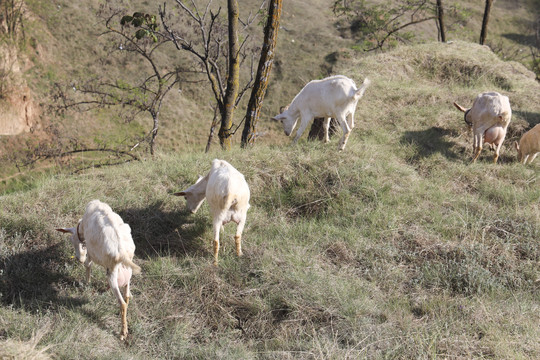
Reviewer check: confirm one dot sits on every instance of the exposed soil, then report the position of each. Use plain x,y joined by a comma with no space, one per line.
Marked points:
19,111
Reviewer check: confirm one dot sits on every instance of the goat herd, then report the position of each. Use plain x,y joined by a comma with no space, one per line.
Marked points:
102,237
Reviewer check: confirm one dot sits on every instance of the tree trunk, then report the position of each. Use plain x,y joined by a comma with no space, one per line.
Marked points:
440,19
263,73
212,129
155,119
483,33
231,93
317,130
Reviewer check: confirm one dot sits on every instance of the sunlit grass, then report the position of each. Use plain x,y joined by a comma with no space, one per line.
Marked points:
397,247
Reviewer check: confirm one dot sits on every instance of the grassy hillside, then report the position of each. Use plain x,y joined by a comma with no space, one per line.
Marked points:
63,45
397,247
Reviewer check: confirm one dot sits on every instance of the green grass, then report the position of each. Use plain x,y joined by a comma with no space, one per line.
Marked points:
347,255
397,247
63,46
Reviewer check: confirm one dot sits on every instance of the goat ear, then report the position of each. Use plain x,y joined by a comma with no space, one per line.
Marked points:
181,193
67,230
459,107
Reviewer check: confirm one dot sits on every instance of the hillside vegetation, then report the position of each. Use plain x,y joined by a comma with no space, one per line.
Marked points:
64,44
397,247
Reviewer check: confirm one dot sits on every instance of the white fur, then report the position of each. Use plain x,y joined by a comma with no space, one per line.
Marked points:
106,240
333,97
227,193
529,145
489,117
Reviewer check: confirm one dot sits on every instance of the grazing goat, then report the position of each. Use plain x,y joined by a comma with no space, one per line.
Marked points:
333,97
320,130
489,118
228,198
102,237
529,145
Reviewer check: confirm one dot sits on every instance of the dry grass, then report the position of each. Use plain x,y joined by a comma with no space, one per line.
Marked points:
368,258
62,48
396,248
12,349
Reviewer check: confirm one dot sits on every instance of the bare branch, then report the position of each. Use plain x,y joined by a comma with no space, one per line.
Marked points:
250,20
380,43
196,17
215,122
114,151
249,83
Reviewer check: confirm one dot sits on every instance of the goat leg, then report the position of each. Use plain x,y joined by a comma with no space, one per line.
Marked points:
123,314
217,227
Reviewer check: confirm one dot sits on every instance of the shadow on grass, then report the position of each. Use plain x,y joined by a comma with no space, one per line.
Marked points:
507,154
528,40
506,157
33,279
157,232
431,141
530,117
36,279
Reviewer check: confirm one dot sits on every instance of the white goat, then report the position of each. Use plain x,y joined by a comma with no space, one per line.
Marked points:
529,145
489,117
228,198
333,97
102,237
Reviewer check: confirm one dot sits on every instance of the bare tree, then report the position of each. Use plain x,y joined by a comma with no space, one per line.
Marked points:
231,93
138,36
383,23
380,23
535,49
440,20
263,73
485,20
220,63
11,32
11,18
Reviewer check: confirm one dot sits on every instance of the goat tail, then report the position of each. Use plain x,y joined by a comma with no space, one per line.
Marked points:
229,200
129,263
360,92
504,116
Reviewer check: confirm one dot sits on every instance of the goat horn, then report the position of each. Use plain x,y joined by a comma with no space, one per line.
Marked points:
67,231
459,107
